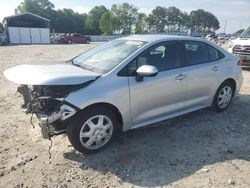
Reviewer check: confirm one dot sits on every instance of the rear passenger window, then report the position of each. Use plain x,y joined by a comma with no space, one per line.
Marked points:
214,54
196,53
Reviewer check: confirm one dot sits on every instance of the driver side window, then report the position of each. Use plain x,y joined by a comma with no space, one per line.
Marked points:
164,56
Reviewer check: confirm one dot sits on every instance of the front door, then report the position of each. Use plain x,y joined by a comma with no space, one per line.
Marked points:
163,94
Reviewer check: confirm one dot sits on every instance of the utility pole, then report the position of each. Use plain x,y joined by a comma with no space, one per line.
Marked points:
225,27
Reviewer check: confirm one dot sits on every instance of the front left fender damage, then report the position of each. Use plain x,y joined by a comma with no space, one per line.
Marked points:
47,102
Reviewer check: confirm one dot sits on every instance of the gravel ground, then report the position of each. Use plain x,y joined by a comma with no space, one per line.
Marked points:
201,149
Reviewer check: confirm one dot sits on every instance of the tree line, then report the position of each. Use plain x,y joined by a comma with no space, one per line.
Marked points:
121,19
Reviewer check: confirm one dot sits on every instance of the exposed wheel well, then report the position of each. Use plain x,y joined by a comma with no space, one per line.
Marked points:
110,107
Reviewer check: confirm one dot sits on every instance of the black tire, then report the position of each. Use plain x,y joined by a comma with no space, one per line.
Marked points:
88,41
216,105
77,122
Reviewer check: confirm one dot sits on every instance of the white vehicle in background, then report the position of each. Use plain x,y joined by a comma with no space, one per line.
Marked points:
241,47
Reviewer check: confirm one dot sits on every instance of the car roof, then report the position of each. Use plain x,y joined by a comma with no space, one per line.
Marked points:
161,38
152,38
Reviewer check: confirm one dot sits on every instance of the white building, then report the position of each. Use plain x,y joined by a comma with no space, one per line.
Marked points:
27,28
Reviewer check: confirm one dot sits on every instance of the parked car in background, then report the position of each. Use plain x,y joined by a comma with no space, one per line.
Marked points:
125,84
74,38
240,47
223,37
58,37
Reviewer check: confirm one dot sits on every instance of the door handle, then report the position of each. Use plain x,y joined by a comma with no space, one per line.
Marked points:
181,77
215,68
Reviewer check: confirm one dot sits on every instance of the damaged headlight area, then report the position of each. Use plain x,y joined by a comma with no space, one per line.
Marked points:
47,102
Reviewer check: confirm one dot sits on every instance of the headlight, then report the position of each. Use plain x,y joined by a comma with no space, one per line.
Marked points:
228,45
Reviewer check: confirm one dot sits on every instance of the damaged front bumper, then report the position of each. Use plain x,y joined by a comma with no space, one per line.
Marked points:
51,111
54,124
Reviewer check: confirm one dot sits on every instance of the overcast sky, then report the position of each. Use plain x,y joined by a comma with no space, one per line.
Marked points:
236,12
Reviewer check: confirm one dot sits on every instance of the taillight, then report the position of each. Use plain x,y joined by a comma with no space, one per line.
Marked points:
240,62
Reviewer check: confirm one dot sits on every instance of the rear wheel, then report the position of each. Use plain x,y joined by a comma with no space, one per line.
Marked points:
69,41
223,96
93,129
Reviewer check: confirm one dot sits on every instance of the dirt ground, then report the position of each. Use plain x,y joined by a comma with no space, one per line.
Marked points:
201,149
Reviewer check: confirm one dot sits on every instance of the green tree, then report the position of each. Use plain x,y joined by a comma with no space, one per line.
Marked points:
68,21
126,16
42,8
185,21
203,21
157,19
117,20
151,23
141,23
106,23
93,19
173,18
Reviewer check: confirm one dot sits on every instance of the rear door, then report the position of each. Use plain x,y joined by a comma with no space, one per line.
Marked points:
203,66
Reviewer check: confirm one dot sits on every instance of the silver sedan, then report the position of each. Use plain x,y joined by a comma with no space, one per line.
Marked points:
125,84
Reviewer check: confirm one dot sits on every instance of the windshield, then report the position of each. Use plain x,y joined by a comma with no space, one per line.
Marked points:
246,34
107,56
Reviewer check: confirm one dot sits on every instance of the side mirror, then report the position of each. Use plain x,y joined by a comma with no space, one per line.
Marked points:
147,71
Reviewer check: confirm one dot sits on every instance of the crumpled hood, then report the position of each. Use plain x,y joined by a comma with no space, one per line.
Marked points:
49,74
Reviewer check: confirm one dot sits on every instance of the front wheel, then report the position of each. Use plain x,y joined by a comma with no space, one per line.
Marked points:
223,97
93,129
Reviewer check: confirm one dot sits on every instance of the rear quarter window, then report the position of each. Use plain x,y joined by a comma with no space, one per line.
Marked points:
214,54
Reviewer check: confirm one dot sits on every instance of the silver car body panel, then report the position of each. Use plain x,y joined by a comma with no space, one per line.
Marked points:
156,98
140,103
49,74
